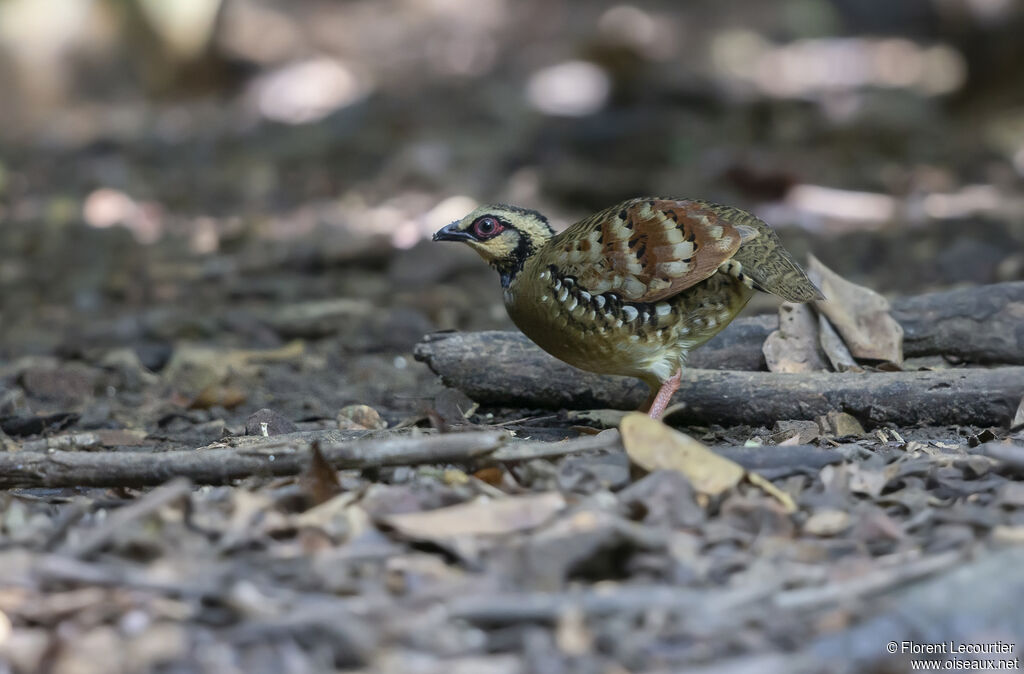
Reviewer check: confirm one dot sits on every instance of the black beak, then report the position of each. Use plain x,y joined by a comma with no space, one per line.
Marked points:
449,233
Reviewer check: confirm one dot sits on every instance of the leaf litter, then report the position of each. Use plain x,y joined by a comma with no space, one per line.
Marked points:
541,551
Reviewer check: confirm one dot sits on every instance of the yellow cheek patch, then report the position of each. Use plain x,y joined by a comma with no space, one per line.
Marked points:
498,248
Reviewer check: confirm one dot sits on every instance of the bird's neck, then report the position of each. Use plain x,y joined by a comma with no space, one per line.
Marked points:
508,272
508,267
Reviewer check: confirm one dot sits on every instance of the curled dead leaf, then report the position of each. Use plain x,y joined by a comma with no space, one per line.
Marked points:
860,315
1018,418
765,485
652,445
834,347
794,346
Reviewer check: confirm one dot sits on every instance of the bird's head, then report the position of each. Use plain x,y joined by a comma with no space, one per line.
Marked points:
504,236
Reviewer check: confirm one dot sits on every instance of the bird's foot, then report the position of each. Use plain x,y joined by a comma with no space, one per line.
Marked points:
664,395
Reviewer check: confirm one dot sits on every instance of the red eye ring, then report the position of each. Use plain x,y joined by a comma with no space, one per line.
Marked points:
487,226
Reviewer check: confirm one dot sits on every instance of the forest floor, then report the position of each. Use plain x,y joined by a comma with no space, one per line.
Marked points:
227,294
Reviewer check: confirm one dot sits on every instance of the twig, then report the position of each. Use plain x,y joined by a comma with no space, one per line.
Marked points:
96,538
220,465
870,583
546,606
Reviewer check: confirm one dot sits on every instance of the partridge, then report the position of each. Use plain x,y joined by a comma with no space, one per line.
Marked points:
633,289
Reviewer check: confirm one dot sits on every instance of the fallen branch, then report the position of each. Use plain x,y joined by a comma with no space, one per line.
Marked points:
974,325
290,454
276,457
502,368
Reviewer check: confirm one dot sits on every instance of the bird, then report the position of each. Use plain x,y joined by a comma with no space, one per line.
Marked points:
633,289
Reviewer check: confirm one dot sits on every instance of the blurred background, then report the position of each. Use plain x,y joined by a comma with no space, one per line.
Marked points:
244,172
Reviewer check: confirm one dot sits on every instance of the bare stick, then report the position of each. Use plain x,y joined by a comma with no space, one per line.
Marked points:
504,368
96,538
219,465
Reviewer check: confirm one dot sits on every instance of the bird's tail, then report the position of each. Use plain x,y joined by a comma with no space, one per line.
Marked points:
763,264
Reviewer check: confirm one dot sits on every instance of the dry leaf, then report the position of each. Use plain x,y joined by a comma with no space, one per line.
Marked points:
338,518
782,497
794,346
860,315
1007,535
492,475
453,476
652,445
601,417
572,635
840,424
1018,418
319,481
803,431
866,481
834,347
479,518
827,523
360,418
217,395
454,407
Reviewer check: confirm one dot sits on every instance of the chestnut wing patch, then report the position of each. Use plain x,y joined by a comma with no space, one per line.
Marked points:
648,249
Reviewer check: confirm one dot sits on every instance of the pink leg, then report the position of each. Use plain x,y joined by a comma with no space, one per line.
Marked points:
665,393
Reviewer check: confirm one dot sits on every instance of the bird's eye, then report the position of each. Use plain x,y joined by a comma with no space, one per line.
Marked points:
486,227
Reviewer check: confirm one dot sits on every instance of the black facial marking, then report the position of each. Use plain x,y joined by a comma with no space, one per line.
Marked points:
540,217
513,264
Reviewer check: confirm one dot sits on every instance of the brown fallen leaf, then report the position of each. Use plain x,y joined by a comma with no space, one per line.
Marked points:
492,475
652,445
479,517
860,315
320,480
794,346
